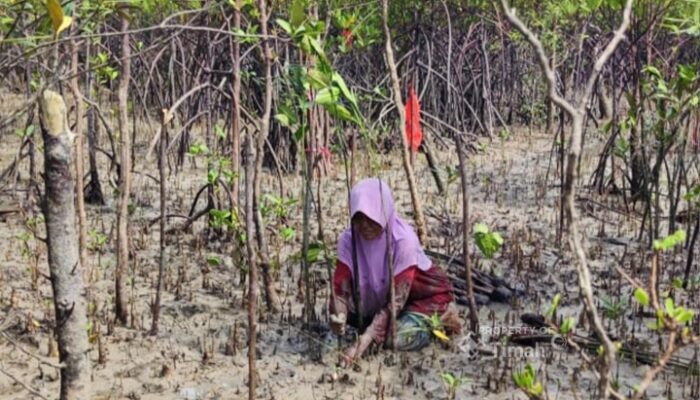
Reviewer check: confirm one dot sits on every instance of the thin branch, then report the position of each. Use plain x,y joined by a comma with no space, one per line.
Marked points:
19,382
41,360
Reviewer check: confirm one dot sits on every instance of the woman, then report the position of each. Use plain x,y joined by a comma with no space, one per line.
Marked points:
422,290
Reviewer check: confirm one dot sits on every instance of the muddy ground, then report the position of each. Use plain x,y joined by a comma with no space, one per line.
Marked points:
189,359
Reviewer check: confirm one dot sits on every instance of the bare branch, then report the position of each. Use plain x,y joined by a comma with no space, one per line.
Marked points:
576,112
19,382
42,360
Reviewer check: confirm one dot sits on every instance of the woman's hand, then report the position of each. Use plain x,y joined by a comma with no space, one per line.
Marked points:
355,351
338,322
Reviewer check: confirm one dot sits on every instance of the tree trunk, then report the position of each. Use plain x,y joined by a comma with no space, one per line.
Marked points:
466,228
391,64
121,296
604,100
62,242
79,158
161,225
433,165
236,100
93,192
252,266
252,263
550,105
637,162
271,297
487,103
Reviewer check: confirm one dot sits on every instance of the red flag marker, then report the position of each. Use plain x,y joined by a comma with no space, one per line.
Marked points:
414,134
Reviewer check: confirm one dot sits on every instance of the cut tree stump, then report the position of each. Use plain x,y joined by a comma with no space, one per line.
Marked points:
62,240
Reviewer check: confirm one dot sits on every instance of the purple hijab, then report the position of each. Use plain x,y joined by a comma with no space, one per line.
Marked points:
367,197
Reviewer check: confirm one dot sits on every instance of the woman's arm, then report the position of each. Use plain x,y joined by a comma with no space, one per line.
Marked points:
341,299
377,330
380,324
341,303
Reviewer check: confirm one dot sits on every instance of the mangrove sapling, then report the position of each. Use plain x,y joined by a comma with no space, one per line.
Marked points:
279,208
432,325
452,383
488,242
271,295
331,93
672,319
526,380
613,309
250,177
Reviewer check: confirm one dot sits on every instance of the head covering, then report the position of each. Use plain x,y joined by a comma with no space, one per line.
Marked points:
373,198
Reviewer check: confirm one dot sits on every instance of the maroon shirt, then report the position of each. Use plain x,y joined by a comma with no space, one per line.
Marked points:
426,292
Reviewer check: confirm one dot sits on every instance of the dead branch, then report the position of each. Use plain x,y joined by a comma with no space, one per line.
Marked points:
19,382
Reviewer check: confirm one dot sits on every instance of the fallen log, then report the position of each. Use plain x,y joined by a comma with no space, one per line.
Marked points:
488,287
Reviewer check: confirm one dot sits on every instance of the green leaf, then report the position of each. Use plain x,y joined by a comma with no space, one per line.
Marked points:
212,176
197,149
670,241
300,133
554,306
488,242
685,316
288,233
284,25
448,378
318,49
317,79
451,381
343,113
537,389
622,147
481,228
641,296
677,283
313,252
687,73
340,82
220,132
567,326
283,119
652,70
668,304
526,380
327,96
296,14
692,194
214,261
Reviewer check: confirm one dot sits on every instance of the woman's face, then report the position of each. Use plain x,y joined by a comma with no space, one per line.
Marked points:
368,229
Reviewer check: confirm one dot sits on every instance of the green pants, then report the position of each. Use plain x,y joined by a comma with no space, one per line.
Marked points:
412,332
